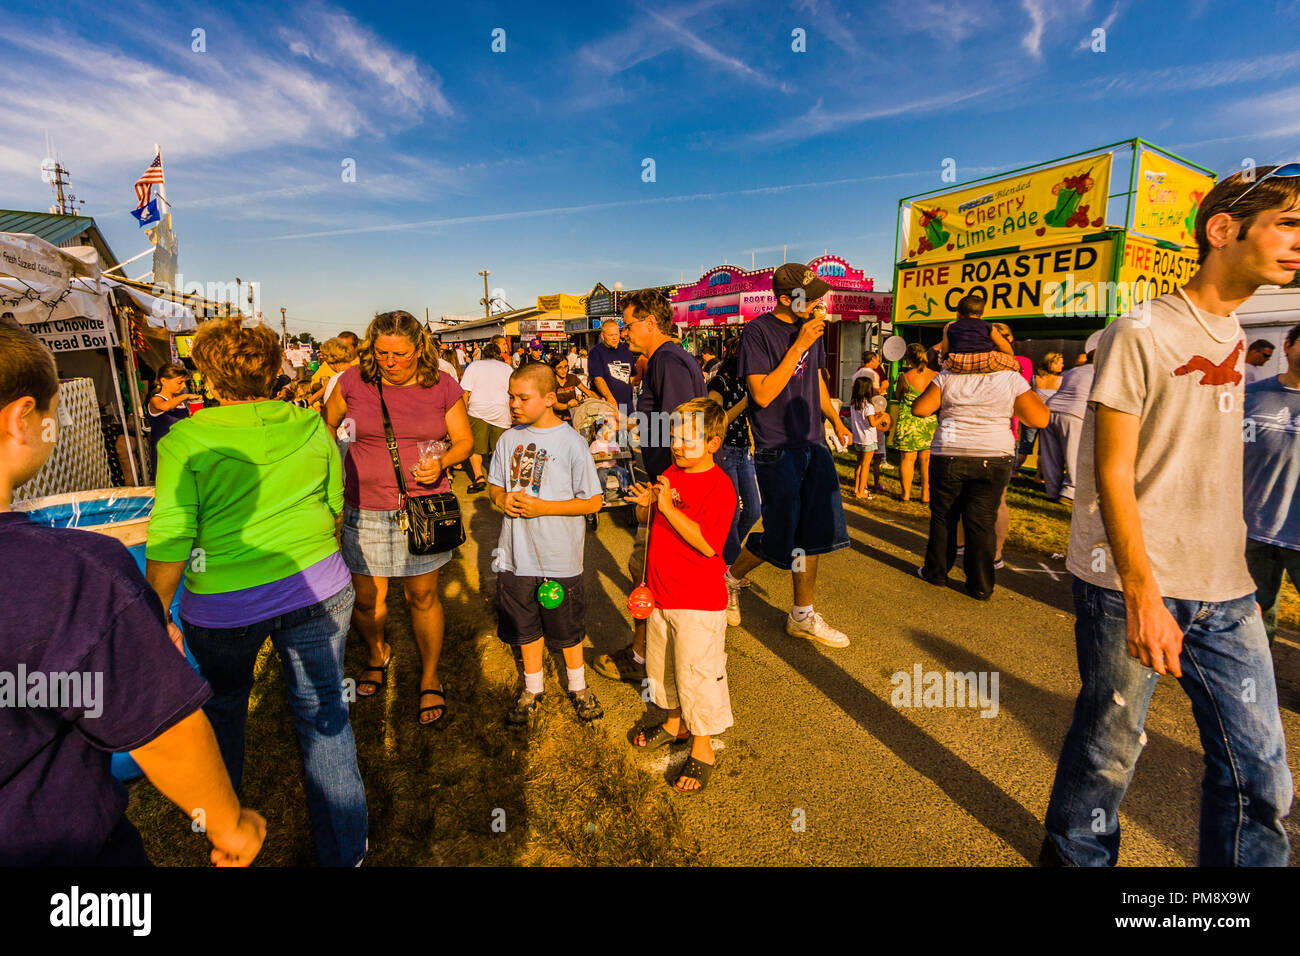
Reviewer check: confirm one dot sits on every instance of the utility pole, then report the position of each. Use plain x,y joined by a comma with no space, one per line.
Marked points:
284,329
487,302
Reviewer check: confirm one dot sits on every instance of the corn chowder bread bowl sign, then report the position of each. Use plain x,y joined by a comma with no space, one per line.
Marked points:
1046,206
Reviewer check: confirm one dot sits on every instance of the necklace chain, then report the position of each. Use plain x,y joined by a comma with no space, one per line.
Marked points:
1196,314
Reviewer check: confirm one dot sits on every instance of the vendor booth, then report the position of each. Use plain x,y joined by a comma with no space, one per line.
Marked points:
725,297
96,327
1058,249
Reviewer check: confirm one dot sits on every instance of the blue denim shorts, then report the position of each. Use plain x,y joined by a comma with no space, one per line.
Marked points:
802,508
374,545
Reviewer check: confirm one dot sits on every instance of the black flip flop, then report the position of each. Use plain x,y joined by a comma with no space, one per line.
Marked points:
694,770
383,677
440,707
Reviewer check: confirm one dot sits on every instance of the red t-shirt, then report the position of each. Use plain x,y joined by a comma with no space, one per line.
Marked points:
681,578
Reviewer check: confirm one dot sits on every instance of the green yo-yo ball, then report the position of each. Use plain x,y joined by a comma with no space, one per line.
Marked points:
550,594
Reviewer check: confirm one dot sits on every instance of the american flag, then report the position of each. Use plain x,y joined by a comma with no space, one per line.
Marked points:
144,185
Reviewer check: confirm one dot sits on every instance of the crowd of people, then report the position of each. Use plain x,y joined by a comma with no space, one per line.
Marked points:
290,519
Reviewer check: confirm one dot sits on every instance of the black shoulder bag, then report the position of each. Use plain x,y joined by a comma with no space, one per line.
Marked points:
431,523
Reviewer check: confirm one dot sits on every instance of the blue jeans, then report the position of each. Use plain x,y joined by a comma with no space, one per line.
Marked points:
737,463
1228,674
803,513
310,643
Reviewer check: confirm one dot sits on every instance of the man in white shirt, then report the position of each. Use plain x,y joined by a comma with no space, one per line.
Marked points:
486,383
1157,550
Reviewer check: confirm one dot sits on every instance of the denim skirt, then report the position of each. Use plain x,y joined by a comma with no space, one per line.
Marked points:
374,545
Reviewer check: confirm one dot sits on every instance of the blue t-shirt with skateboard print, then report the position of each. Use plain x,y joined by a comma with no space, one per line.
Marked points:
553,464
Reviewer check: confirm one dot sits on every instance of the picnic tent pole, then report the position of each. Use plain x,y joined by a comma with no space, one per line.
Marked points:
117,392
128,354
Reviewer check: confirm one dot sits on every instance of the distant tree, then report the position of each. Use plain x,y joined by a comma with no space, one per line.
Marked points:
305,338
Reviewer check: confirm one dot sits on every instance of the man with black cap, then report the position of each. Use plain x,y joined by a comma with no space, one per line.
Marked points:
781,356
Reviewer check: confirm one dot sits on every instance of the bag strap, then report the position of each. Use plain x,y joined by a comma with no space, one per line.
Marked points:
391,439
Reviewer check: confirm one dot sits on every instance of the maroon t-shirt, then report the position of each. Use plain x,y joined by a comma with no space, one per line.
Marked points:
418,414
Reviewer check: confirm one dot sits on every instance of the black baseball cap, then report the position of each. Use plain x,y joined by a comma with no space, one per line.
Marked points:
796,275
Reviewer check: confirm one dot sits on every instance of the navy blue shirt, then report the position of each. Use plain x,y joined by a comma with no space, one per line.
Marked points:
671,378
1271,470
76,604
794,417
615,366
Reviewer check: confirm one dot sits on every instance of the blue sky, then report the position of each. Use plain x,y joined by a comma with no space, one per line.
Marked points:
529,162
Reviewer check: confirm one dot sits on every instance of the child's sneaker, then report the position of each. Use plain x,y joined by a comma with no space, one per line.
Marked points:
733,605
524,707
815,628
620,665
586,704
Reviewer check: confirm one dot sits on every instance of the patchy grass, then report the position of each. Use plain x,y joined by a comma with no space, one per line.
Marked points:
1039,528
567,794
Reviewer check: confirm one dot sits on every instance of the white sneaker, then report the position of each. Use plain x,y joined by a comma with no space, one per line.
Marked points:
733,606
815,628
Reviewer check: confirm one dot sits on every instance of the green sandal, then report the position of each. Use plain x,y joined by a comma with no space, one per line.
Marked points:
694,770
658,739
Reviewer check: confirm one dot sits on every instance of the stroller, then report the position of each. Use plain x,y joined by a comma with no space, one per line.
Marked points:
597,423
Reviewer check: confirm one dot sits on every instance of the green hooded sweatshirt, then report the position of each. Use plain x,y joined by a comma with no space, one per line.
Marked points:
246,494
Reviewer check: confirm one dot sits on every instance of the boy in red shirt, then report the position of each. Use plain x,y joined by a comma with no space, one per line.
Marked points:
686,661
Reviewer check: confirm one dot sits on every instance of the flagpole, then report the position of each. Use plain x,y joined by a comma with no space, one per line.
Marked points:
162,190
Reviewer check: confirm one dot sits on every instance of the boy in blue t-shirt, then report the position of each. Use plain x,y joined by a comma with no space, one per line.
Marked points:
543,478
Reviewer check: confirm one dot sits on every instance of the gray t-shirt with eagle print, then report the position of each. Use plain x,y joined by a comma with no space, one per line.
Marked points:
1179,369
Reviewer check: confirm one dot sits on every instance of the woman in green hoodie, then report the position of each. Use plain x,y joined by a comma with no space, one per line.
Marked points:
249,498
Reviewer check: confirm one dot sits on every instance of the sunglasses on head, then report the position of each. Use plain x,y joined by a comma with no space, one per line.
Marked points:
1285,172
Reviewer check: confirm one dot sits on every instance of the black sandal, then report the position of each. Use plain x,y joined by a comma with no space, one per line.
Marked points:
478,484
441,708
383,676
660,738
694,770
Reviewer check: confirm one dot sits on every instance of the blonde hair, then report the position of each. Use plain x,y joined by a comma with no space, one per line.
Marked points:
334,351
710,415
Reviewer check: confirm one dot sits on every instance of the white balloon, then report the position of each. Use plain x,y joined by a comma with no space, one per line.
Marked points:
880,402
894,348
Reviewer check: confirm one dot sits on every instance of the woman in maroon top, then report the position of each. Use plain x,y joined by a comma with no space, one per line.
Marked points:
423,406
571,390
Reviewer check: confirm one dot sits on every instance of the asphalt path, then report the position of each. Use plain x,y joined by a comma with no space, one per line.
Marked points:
821,767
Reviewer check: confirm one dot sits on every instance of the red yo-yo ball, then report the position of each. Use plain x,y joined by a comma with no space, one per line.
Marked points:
640,603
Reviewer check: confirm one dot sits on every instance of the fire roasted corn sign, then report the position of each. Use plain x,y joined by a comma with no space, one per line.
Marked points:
1048,281
1167,197
1042,207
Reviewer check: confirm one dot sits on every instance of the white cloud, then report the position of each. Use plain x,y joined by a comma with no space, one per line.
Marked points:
1038,17
1200,76
1086,42
818,120
105,105
949,21
588,207
830,22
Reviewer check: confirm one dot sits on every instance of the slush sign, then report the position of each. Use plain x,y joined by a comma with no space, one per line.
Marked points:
1026,283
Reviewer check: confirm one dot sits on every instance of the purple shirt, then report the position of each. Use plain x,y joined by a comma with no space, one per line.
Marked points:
252,605
794,417
616,367
671,378
76,604
417,413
